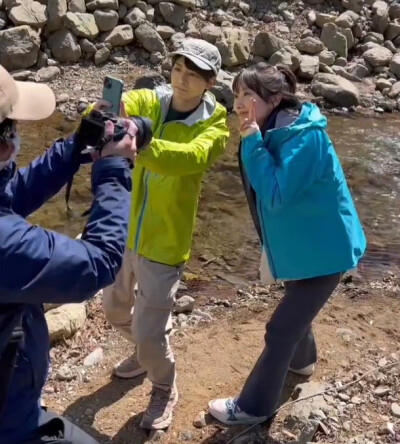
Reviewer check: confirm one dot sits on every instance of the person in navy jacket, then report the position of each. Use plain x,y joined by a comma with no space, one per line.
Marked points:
40,266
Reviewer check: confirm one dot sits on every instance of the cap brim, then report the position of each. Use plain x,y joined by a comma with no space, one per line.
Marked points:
200,63
34,102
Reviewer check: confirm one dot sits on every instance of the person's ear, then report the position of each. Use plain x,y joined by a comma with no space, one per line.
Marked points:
211,83
276,100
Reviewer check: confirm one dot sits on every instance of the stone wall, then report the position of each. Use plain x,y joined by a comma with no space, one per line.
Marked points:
349,39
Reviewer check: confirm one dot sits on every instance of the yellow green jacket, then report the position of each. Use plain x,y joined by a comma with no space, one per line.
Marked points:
167,174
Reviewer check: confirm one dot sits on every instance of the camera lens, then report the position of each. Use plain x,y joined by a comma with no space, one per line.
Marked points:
107,83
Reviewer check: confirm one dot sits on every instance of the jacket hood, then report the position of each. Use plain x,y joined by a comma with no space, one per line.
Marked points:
203,112
309,117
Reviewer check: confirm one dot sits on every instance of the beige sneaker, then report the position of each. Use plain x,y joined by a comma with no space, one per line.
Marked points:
128,368
158,414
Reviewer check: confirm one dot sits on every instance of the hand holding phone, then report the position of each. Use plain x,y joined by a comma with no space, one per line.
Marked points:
112,93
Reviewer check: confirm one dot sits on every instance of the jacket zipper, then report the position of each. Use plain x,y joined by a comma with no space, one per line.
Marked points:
146,179
266,244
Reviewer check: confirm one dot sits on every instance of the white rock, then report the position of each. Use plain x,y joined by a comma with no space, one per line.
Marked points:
184,304
94,358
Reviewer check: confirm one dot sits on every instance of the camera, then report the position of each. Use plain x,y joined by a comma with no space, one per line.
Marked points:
91,131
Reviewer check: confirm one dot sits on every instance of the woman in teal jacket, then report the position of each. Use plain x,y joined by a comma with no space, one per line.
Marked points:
307,223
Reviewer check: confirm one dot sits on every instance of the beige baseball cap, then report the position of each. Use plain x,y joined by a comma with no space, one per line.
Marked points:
24,100
203,54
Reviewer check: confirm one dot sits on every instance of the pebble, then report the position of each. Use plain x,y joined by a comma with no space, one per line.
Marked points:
381,391
89,412
184,304
64,373
343,397
200,420
382,362
356,400
94,358
203,315
395,410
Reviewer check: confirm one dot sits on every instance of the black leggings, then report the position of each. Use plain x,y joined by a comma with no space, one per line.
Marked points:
289,342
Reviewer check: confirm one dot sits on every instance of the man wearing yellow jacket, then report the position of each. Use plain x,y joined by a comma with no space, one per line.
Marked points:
190,132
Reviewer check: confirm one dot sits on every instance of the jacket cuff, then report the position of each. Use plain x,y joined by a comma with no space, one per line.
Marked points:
252,141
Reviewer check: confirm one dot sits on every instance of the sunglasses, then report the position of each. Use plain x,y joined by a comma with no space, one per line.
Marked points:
7,130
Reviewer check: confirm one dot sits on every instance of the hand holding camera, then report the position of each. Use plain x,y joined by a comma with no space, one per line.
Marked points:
102,129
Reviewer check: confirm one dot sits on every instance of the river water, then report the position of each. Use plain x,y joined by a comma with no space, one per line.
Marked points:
225,242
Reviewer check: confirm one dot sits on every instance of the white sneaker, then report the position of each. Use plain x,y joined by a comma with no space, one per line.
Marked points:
305,371
228,412
128,368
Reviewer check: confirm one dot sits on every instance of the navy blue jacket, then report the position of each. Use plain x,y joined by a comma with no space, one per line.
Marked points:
38,266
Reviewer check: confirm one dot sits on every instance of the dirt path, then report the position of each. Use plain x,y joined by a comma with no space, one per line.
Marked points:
358,328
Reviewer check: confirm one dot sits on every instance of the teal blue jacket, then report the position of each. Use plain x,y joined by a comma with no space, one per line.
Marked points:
309,225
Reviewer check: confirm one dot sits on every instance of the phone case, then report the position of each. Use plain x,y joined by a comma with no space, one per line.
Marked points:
112,92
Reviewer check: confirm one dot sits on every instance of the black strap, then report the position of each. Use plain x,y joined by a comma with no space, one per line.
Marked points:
8,359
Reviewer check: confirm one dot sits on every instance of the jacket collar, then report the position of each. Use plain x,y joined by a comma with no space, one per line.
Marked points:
204,111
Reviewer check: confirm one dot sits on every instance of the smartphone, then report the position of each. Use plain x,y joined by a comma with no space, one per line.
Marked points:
112,92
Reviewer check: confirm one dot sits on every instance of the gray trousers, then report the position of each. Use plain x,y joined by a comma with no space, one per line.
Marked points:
289,341
146,319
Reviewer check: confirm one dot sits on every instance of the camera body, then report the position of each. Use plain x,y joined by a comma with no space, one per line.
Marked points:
91,131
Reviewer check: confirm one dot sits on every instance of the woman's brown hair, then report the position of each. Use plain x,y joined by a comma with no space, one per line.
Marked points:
268,80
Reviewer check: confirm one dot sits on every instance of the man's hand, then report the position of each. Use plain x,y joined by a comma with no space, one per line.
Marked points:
126,147
249,124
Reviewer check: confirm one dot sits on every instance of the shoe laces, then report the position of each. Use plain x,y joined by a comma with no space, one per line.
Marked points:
232,408
159,399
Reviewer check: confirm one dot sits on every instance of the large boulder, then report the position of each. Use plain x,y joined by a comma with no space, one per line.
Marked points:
335,89
394,11
347,19
349,37
56,10
77,6
135,17
223,89
121,35
106,20
334,40
380,16
378,56
47,74
310,45
234,46
287,56
149,38
394,65
19,47
211,33
28,12
327,57
173,14
393,30
322,18
92,5
81,24
265,44
309,66
63,322
64,46
353,5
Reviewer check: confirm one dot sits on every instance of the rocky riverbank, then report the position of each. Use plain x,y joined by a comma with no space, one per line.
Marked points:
346,53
